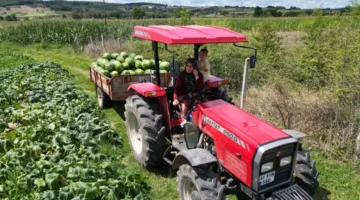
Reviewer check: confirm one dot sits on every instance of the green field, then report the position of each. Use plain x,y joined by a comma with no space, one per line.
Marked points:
297,58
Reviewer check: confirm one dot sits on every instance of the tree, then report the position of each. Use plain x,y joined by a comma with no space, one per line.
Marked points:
1,18
273,12
76,15
355,8
64,16
176,13
11,17
185,16
224,12
137,13
258,11
294,8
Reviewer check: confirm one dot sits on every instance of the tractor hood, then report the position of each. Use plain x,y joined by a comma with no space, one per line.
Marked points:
243,125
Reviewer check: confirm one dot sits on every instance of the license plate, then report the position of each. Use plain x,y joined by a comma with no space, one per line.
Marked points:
266,178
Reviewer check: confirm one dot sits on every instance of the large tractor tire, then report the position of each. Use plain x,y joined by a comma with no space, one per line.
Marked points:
222,93
305,173
104,100
197,184
145,131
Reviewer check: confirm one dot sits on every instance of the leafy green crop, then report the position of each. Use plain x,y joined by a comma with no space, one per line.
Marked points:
50,137
10,59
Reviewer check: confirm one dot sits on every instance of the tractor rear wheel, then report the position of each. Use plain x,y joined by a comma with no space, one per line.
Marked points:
221,93
197,183
104,100
145,131
305,172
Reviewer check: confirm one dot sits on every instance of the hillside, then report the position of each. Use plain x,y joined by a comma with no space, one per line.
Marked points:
83,9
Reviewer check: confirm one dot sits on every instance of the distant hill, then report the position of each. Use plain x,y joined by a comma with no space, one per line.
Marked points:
84,9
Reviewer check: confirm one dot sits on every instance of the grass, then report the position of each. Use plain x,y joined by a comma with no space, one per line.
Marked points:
339,179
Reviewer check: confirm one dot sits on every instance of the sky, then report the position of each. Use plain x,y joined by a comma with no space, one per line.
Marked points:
304,4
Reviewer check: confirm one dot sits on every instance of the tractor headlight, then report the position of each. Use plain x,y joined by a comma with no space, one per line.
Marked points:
285,161
267,167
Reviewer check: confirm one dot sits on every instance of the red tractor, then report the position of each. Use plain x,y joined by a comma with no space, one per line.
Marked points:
221,149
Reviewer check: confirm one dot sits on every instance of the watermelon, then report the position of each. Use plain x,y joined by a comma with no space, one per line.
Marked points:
107,56
118,66
139,71
98,61
130,61
147,64
103,63
120,59
149,71
165,66
93,64
132,72
138,57
163,71
124,54
138,64
112,63
126,65
114,73
132,55
106,73
114,55
125,72
109,67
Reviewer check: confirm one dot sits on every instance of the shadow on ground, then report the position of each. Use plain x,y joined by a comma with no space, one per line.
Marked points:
164,170
322,194
119,107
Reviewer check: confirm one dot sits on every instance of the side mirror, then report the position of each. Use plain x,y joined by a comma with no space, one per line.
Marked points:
252,61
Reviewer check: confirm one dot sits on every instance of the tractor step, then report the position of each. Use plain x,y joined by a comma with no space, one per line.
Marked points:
178,142
294,192
178,145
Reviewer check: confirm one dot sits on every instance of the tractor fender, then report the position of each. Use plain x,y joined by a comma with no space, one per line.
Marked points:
147,89
294,133
194,157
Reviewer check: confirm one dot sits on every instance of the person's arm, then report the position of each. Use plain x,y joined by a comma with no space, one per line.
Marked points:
206,66
201,65
178,85
200,85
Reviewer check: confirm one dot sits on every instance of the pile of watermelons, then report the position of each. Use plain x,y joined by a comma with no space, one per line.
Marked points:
114,64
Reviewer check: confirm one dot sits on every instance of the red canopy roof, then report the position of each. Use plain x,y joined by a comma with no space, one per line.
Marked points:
192,34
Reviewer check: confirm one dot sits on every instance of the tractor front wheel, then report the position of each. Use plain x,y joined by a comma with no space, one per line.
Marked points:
305,173
197,183
145,130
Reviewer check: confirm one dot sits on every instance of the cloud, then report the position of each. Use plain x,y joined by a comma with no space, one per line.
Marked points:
262,3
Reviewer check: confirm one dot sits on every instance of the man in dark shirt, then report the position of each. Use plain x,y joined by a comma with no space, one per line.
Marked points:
189,81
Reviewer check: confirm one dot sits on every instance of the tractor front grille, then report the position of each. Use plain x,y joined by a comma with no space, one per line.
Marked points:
282,174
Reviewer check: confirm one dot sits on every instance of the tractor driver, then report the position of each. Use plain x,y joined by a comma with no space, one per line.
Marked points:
189,81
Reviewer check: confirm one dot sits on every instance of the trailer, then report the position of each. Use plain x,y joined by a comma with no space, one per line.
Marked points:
116,88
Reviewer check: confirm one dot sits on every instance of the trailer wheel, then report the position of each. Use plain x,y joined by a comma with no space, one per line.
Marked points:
221,93
197,183
145,131
305,173
104,100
